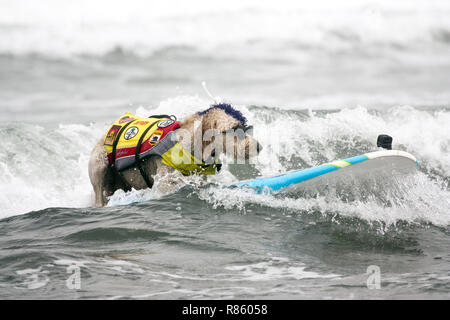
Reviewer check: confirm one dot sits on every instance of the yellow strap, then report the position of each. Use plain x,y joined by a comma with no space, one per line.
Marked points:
182,160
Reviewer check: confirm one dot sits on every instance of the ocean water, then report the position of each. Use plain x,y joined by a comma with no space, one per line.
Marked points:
318,80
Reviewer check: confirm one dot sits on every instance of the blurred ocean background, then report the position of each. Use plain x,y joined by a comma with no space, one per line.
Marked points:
319,80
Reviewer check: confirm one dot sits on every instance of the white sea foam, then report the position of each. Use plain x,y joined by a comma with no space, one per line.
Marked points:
45,167
33,278
320,138
276,268
423,133
419,201
48,167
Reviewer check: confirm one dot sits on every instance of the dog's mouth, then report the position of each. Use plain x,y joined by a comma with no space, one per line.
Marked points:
213,154
212,157
259,147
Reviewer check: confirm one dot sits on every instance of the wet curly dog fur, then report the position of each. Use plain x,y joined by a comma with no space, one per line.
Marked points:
219,118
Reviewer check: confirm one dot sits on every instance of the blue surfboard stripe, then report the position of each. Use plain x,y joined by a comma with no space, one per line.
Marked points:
357,159
285,180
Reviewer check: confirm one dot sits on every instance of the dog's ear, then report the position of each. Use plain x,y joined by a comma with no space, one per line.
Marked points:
209,132
208,124
192,124
189,121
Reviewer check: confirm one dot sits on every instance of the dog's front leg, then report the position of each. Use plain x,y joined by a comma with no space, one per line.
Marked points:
167,180
98,171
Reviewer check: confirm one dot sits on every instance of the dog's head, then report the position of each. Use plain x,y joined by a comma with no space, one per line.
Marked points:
222,129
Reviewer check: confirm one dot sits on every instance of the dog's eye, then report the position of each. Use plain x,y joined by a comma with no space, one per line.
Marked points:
243,128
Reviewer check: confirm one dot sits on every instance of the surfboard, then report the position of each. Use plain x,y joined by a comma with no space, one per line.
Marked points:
384,163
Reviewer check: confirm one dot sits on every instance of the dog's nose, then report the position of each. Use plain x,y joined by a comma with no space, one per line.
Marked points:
259,147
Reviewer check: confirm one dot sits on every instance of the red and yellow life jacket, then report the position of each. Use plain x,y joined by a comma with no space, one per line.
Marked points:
131,139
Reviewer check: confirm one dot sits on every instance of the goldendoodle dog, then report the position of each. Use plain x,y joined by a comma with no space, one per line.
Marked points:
156,151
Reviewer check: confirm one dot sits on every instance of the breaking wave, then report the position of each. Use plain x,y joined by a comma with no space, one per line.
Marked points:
47,167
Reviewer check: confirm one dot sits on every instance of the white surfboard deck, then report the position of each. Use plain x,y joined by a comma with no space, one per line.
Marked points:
384,163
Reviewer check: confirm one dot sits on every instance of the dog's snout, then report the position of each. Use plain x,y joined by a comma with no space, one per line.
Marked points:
259,147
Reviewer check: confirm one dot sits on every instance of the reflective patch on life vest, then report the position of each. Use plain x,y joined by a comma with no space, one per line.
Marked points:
154,138
126,119
111,135
165,123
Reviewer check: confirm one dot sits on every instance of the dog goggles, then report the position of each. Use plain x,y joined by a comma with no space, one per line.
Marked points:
240,130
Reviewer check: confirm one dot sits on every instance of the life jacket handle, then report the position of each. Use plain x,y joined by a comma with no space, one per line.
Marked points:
164,116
